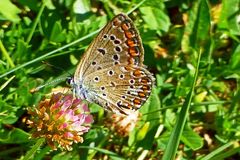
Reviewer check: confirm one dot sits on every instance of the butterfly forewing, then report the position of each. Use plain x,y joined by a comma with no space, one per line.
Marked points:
111,72
117,43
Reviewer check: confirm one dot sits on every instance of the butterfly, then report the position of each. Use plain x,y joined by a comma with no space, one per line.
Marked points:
111,72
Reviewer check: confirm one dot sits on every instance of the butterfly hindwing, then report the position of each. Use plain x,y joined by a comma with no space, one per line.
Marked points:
119,88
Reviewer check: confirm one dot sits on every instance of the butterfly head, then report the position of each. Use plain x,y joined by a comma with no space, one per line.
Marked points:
77,88
70,81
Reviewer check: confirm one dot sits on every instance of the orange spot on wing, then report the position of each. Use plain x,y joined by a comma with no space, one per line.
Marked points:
125,26
137,73
131,60
129,34
128,68
137,101
131,42
145,88
145,80
133,51
116,22
141,94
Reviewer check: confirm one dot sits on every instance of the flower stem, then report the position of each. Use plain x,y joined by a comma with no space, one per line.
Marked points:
34,149
6,55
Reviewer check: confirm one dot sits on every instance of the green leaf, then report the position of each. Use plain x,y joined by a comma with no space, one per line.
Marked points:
202,25
132,137
66,156
155,18
143,131
15,136
57,34
163,139
9,11
31,4
104,151
235,59
229,16
9,119
81,6
21,51
7,112
191,139
220,153
198,26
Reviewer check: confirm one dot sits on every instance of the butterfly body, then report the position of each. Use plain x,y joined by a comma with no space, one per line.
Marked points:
111,72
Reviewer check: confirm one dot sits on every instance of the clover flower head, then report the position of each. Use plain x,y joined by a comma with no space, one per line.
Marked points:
121,124
61,120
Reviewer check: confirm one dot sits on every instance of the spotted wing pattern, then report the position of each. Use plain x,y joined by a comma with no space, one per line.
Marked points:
111,72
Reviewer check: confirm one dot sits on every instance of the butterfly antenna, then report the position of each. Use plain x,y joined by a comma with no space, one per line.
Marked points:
56,67
52,82
46,84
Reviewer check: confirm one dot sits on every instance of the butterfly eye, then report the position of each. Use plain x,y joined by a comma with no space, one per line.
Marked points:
69,80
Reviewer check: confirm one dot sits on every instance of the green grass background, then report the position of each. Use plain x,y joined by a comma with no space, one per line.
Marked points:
191,47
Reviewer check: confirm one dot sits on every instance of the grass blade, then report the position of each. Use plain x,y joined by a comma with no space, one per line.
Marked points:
178,129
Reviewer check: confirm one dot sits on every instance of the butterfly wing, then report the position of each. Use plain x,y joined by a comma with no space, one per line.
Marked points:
111,72
117,43
120,88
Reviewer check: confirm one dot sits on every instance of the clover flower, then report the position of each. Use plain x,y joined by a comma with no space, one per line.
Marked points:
61,120
121,124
